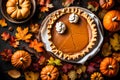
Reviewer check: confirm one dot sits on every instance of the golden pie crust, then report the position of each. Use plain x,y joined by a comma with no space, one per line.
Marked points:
92,30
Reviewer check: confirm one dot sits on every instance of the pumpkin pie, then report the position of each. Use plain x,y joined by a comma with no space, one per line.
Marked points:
77,38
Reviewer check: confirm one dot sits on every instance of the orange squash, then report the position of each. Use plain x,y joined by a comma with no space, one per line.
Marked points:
111,20
106,4
49,72
109,67
21,59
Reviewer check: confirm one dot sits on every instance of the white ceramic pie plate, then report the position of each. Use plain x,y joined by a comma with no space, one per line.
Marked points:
44,38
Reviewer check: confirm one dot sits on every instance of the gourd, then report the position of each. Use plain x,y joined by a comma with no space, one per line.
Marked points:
111,20
21,59
18,9
109,67
106,4
96,76
49,72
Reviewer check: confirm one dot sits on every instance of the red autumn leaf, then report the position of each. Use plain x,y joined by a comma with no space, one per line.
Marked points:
67,67
6,54
91,69
36,45
35,66
41,60
42,2
67,3
3,23
5,36
93,5
45,5
13,42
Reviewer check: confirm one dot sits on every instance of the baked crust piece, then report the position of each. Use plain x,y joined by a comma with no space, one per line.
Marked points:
93,39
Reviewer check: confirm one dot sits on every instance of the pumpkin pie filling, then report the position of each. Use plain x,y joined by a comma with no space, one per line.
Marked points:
79,37
75,38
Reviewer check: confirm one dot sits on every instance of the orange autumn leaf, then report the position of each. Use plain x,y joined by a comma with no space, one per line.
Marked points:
22,34
3,23
44,9
34,28
67,3
36,45
5,36
64,77
45,5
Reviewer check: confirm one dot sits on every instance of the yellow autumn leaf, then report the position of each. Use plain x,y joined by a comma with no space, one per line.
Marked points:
3,23
22,34
29,75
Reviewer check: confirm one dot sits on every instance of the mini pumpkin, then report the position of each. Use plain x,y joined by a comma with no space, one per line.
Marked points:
106,4
111,20
109,67
18,9
21,59
96,76
49,72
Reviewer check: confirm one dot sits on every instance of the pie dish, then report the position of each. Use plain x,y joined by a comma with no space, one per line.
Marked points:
79,38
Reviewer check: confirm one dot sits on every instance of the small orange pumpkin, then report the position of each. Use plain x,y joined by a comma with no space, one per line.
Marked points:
49,72
106,4
96,76
21,59
111,20
109,67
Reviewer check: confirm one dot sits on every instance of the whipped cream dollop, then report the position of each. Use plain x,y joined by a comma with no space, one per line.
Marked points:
60,27
73,18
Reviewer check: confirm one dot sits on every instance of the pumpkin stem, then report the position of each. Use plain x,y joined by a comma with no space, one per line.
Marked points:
107,0
19,5
114,18
96,78
49,74
21,59
110,67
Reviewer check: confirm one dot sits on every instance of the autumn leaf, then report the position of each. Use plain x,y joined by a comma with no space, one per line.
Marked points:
41,2
44,9
67,67
115,42
93,5
34,28
36,45
45,5
102,13
81,69
67,3
72,75
14,73
91,69
53,61
6,54
29,75
5,36
106,49
116,56
64,77
13,42
22,34
41,60
3,23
